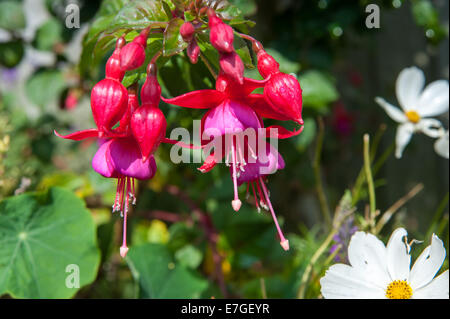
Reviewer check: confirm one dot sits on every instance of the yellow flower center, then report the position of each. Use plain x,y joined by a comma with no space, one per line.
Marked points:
399,289
413,116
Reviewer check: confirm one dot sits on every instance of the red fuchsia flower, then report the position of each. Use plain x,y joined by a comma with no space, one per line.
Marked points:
232,110
254,175
132,55
282,91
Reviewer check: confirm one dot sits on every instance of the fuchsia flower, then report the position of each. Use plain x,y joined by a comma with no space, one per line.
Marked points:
132,55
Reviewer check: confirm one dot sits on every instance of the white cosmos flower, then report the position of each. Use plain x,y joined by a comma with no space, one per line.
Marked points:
377,271
418,105
441,146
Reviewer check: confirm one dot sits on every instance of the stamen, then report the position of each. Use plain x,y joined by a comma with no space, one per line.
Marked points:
124,248
283,241
236,203
256,199
261,198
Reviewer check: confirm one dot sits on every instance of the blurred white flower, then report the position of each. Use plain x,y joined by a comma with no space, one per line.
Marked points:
417,106
377,271
441,146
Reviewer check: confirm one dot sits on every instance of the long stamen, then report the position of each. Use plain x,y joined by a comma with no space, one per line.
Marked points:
261,197
283,241
242,162
116,206
236,203
256,199
124,248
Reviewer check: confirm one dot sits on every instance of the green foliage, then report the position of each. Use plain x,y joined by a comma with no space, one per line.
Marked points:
11,15
159,277
41,234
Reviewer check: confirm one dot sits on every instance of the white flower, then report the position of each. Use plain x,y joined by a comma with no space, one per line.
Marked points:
377,271
441,146
417,106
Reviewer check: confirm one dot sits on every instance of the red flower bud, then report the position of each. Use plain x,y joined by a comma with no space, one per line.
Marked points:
148,123
193,51
133,104
267,65
113,69
109,101
283,92
232,66
187,31
132,56
221,35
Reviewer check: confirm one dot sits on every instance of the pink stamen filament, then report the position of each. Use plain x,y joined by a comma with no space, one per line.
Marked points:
236,196
256,199
274,217
125,216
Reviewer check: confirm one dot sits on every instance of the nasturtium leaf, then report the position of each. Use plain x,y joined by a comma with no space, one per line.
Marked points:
173,41
44,87
159,277
46,239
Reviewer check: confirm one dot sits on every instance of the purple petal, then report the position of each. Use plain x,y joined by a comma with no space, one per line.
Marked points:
127,159
102,163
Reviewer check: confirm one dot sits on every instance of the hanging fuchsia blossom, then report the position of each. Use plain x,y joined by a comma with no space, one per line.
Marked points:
132,55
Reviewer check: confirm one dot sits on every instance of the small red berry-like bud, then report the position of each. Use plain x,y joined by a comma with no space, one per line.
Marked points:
132,56
232,66
193,51
113,69
187,31
148,123
109,101
221,35
267,65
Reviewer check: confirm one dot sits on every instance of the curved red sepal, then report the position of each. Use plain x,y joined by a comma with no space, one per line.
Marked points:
250,85
201,99
264,109
281,132
181,144
80,135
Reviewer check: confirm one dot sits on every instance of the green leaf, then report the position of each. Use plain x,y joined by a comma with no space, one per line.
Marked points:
189,256
11,15
173,41
318,89
44,87
11,53
41,234
160,277
49,34
308,134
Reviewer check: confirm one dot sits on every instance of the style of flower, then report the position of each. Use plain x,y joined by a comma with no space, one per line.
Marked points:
418,105
377,271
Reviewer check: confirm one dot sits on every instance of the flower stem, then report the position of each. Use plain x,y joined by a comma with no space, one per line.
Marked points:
369,178
438,215
208,65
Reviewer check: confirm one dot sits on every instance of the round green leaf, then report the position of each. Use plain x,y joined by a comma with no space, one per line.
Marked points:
11,15
45,238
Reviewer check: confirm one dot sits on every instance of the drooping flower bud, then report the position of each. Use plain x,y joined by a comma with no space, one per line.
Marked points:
113,69
231,65
221,34
109,101
148,123
282,91
193,51
133,104
132,55
187,31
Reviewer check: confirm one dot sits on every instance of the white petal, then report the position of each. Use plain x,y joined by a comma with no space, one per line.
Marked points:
434,99
442,146
394,112
430,127
346,282
404,134
367,254
427,264
437,289
398,258
409,85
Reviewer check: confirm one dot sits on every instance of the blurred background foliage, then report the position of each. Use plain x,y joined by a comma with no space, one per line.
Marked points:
186,242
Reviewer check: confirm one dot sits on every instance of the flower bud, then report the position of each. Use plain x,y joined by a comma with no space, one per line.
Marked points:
221,35
133,104
187,31
193,51
232,66
132,56
109,101
151,90
267,65
113,69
